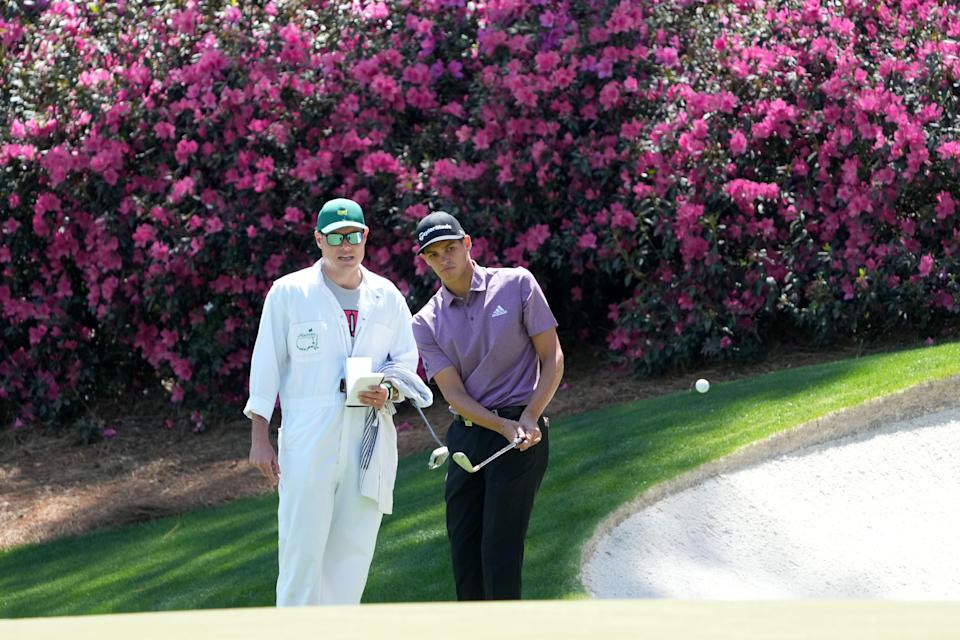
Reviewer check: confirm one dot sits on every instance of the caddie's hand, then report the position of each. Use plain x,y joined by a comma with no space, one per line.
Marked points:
264,457
531,433
375,397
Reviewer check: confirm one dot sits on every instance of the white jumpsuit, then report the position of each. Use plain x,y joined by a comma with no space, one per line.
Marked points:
327,526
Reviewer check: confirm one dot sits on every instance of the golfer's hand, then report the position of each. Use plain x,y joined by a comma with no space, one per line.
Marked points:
512,429
530,433
263,456
376,397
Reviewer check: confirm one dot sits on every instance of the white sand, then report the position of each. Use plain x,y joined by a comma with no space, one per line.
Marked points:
873,515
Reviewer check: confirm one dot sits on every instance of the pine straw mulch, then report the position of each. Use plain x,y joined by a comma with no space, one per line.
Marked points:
51,486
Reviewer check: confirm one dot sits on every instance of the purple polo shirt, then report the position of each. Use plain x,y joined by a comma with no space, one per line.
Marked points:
486,337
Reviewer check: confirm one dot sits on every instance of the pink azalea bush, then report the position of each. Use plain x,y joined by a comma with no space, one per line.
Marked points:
685,177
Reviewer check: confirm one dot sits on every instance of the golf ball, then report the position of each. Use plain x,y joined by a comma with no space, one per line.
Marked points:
702,385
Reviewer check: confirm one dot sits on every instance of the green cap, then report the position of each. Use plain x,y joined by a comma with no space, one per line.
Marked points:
339,213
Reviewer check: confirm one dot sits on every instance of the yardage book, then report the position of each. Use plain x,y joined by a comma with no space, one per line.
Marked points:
359,378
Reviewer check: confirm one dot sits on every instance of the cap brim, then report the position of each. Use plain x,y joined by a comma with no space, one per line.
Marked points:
459,236
342,224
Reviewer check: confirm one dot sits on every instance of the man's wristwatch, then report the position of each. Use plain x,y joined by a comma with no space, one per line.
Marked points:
393,394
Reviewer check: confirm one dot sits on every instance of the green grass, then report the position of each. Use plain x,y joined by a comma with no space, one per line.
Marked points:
226,557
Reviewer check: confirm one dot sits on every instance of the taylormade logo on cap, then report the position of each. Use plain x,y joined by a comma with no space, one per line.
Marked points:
436,227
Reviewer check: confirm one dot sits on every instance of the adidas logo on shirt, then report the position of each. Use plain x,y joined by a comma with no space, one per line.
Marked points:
499,311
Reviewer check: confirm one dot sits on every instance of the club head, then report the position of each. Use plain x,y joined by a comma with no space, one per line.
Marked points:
461,459
437,457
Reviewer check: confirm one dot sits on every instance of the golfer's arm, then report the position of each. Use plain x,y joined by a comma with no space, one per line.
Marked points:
547,346
451,386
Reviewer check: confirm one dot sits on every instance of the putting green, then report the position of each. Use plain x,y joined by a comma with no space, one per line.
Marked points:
606,619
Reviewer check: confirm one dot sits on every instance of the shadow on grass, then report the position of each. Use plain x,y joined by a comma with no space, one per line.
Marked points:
212,558
226,557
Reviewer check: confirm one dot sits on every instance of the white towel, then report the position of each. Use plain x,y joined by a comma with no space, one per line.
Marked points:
378,455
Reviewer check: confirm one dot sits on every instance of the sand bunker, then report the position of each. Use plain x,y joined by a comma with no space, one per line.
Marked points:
875,514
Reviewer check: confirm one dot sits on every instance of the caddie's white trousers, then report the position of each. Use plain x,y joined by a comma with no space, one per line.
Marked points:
327,530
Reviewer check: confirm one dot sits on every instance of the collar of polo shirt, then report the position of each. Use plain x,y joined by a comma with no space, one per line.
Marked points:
477,283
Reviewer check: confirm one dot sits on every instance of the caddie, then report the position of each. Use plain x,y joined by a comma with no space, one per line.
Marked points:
337,464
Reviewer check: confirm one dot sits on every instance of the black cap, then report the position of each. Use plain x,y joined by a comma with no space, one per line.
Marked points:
438,226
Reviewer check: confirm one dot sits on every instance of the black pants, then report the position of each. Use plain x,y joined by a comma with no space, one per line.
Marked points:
488,511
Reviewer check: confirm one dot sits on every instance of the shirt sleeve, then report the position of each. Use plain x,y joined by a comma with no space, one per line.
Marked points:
434,359
269,357
537,316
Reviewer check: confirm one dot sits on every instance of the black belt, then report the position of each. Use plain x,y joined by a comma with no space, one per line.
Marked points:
510,413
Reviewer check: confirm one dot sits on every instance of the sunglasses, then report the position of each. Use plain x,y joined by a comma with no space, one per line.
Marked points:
336,239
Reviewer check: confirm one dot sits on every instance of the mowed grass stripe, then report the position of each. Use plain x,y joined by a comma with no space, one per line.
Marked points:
226,556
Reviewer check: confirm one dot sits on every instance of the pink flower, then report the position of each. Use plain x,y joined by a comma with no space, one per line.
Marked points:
946,206
746,192
57,162
534,237
422,99
108,433
213,224
376,11
618,339
417,74
610,95
379,162
621,218
949,150
693,248
926,265
262,182
738,143
385,87
164,130
144,235
587,241
525,95
181,368
688,216
17,130
547,61
667,56
185,149
233,15
37,333
181,188
46,202
416,211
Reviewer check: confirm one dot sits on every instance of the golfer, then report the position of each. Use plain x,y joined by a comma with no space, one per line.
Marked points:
489,340
337,464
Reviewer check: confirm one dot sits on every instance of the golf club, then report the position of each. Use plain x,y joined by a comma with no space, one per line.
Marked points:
439,455
461,458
